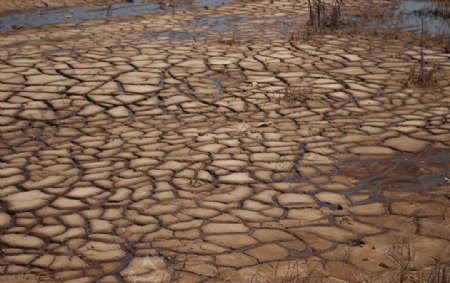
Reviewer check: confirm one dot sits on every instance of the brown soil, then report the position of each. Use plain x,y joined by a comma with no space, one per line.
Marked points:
129,153
8,6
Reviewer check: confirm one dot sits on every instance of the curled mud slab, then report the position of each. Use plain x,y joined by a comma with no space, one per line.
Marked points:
131,158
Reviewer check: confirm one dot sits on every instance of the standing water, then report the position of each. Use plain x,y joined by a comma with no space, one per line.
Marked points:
435,16
42,17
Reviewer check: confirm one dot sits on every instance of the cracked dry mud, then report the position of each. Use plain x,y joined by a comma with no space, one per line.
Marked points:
128,158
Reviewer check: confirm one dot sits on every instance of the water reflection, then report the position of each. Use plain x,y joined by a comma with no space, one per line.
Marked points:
434,16
42,17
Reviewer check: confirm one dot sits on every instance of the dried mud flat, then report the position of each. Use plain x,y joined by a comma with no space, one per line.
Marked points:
131,154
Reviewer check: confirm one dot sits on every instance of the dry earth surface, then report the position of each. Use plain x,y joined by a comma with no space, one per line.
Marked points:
130,156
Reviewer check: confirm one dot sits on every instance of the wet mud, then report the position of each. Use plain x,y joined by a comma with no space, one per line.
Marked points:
12,6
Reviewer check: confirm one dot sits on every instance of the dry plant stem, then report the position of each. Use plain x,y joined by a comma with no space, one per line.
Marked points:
421,75
422,61
323,15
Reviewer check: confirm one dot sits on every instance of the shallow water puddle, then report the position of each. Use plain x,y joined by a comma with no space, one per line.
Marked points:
435,16
400,173
409,15
42,17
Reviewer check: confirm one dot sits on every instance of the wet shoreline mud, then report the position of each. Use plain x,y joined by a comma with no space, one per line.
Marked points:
12,6
48,17
222,144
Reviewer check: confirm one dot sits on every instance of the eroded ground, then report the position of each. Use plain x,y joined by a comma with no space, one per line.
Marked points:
156,149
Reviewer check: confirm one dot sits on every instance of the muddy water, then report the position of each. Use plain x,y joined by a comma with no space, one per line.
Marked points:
405,172
409,15
42,17
435,16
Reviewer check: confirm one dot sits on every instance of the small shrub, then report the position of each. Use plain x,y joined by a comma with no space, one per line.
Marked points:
325,15
423,75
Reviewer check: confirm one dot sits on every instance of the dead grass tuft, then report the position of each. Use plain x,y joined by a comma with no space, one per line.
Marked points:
295,94
423,75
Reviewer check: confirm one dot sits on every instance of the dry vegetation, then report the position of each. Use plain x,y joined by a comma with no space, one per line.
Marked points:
324,14
293,94
420,75
375,19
